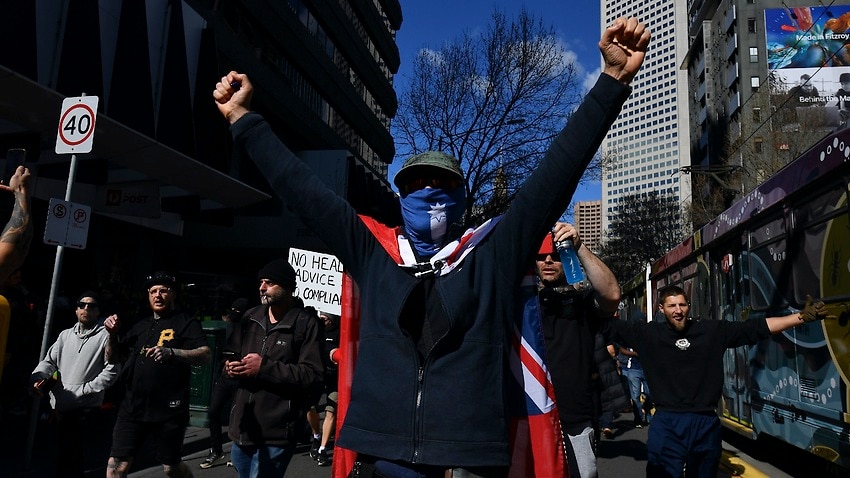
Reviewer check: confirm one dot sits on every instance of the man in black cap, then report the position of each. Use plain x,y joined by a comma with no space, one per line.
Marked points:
278,364
160,350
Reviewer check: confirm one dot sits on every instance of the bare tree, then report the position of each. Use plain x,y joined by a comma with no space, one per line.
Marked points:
494,101
644,227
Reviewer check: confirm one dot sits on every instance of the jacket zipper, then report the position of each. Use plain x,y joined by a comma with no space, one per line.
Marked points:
262,353
417,418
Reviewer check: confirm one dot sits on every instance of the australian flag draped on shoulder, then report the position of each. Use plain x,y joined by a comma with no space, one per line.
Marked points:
536,439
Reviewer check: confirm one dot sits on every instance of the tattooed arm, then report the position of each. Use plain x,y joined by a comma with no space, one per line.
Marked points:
17,235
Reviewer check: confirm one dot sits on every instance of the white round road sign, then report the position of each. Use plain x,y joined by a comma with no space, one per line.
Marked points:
76,125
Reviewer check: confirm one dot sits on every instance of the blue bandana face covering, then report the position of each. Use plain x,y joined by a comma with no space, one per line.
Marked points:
427,215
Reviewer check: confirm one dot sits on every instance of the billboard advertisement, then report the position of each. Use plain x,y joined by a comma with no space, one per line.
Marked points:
808,54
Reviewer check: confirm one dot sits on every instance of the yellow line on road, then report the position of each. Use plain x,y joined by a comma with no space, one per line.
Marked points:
730,463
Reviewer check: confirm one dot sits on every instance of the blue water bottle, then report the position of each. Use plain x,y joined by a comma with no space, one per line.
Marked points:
569,259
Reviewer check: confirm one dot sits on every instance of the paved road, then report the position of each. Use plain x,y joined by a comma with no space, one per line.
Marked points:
622,456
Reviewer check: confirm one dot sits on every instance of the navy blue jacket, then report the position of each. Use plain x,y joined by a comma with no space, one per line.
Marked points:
450,409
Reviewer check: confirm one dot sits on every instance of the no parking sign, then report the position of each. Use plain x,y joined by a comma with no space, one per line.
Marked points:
76,125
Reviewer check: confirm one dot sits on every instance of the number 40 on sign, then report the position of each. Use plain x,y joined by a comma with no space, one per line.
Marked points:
76,125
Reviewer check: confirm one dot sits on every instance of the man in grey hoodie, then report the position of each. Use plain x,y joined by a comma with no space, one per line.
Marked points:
77,370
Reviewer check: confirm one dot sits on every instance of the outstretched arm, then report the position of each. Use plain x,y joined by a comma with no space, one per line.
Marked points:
811,311
623,46
17,235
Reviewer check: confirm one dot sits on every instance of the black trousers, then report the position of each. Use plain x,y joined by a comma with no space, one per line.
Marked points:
222,395
83,441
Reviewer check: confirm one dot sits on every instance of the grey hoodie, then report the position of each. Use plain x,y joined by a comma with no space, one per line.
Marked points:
84,374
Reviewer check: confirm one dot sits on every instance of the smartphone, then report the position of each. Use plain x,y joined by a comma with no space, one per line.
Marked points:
14,157
230,356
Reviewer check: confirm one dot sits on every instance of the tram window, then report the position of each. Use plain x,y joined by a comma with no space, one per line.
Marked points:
769,274
821,206
769,271
767,232
807,262
699,290
819,244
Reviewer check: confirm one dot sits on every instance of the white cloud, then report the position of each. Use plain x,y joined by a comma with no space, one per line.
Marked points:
590,79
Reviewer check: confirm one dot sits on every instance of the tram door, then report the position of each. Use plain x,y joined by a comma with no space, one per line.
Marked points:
729,270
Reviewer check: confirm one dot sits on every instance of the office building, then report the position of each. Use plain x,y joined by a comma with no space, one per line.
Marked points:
588,223
763,78
165,185
648,144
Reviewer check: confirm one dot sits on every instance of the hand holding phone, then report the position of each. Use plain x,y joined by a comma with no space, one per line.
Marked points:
14,157
230,356
15,174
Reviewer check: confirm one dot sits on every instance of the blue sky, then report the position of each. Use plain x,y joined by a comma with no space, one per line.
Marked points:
430,23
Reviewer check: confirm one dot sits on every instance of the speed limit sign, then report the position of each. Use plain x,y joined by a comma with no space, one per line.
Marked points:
76,125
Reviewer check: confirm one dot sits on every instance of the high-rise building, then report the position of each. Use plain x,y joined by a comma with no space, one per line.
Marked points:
763,78
164,181
588,223
648,143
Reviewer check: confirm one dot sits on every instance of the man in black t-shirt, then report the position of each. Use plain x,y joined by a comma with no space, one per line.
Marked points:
683,361
160,350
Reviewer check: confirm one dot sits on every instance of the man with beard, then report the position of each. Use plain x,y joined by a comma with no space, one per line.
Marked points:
683,362
160,350
278,363
78,370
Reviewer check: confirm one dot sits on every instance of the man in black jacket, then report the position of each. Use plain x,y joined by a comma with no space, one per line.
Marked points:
439,328
278,362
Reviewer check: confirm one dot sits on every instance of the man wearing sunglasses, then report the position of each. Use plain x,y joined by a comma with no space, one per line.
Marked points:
159,350
437,307
76,371
571,320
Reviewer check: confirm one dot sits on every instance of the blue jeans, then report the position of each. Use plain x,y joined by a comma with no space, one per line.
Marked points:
260,461
636,378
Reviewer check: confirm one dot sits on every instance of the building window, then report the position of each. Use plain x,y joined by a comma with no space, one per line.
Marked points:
754,54
754,83
757,115
751,25
757,145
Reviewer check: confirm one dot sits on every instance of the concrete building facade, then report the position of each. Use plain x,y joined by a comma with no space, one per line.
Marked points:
647,145
167,189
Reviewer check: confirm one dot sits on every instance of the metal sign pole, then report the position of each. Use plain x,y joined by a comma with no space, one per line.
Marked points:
51,303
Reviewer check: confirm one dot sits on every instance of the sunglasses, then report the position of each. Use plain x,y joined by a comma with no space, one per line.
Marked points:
436,182
83,305
542,257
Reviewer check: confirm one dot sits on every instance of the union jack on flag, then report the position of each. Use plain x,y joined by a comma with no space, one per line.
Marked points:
537,442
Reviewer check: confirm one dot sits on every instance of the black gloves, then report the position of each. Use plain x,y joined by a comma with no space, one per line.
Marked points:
814,311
